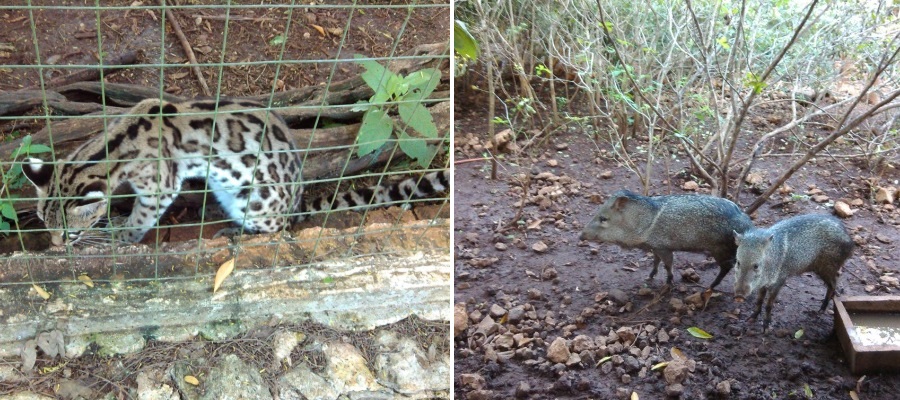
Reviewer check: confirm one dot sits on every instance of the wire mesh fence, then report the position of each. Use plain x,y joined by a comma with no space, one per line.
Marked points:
147,142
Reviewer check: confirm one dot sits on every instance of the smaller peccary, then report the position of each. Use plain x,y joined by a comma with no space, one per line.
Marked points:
766,257
663,224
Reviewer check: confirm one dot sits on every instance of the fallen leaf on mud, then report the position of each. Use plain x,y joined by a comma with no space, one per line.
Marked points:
192,380
86,280
535,225
319,28
853,395
223,272
41,292
677,354
179,75
660,365
807,391
699,333
603,360
336,31
798,334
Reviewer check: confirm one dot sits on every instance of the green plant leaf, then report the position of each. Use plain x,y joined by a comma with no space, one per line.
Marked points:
277,40
417,116
380,79
418,149
463,42
603,360
38,148
8,211
798,334
699,333
375,129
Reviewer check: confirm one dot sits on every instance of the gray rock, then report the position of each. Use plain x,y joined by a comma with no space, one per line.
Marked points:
496,311
523,389
515,314
558,351
232,378
674,390
581,343
619,296
631,364
403,367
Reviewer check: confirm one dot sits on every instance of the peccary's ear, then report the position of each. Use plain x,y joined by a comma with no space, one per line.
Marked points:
619,203
737,238
38,172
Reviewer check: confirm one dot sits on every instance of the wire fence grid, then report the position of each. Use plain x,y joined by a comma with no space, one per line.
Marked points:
272,53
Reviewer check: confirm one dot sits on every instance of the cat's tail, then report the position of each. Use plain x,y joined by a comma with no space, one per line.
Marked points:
400,193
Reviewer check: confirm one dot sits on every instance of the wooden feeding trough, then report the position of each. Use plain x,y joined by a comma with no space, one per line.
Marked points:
868,328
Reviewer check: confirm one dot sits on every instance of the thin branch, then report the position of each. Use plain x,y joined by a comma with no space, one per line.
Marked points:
170,15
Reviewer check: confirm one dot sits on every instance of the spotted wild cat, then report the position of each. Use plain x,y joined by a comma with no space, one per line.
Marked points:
243,151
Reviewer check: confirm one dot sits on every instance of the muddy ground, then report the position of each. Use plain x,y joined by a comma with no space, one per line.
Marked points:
525,283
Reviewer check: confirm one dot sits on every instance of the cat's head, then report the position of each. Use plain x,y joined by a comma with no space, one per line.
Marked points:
67,205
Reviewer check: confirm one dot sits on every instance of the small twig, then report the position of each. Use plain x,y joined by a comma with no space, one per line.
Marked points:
231,18
471,160
512,223
91,74
170,15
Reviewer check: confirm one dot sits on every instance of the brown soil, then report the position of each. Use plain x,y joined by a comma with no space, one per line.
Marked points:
568,285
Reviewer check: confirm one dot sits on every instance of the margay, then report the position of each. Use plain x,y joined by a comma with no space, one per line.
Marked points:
243,151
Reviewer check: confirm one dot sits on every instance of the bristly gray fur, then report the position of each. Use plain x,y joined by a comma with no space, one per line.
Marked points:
766,257
663,224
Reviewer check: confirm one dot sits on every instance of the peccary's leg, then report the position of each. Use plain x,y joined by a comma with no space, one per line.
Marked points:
726,263
760,297
831,283
773,293
666,257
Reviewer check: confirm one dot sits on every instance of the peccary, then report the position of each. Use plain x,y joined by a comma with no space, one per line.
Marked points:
663,224
766,257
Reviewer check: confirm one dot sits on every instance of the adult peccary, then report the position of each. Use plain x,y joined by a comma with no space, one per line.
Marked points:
663,224
766,257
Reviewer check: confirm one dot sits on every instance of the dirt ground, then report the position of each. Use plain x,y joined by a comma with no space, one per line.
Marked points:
569,288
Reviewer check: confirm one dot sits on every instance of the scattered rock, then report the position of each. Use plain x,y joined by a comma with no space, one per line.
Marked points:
552,163
785,189
888,280
842,209
232,378
483,262
662,337
574,359
496,311
558,351
857,202
885,195
883,238
471,381
690,186
539,247
523,389
820,198
606,174
487,326
581,343
676,305
626,334
500,246
549,274
561,146
515,314
724,388
695,299
676,371
674,390
619,296
460,319
534,294
753,178
283,343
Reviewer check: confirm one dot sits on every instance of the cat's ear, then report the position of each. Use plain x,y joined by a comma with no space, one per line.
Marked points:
94,202
38,172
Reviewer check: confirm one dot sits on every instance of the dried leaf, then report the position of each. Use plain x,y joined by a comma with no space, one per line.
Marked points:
223,272
41,292
603,360
853,395
179,75
660,365
699,333
336,31
535,225
677,354
86,280
29,355
192,380
318,28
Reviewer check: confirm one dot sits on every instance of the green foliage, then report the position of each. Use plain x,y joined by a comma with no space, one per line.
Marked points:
406,96
463,42
14,178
